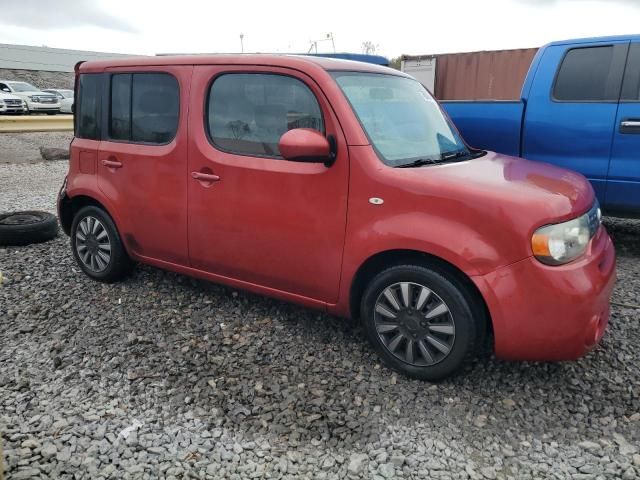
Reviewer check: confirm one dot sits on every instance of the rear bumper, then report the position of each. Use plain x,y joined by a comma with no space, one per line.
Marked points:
546,313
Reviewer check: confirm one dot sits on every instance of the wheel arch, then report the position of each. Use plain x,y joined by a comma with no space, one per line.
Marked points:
389,258
70,206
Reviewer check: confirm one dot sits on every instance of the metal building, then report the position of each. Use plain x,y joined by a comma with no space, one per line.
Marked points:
26,57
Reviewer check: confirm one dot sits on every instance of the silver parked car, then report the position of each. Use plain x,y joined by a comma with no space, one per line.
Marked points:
65,96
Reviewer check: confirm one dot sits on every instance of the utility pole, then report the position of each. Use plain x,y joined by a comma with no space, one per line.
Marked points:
242,43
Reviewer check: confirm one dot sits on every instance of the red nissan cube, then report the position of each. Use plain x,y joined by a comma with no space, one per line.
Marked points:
341,186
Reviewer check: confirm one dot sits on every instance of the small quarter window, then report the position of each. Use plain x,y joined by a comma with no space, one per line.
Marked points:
144,107
87,111
249,112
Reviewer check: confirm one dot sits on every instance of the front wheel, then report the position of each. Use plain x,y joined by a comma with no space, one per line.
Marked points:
420,321
97,247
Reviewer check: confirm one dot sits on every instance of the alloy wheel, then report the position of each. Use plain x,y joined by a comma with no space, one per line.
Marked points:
414,324
93,244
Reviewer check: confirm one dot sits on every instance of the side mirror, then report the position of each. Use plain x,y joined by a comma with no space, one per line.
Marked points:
6,89
307,145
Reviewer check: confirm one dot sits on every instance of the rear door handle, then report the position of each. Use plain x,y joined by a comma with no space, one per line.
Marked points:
205,177
112,163
630,125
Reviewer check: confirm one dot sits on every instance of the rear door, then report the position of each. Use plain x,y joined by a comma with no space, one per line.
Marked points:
623,184
142,163
571,111
265,221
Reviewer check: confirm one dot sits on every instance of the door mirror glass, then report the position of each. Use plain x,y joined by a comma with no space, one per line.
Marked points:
6,89
304,145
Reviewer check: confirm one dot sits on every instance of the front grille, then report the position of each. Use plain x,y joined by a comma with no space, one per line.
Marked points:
47,99
13,102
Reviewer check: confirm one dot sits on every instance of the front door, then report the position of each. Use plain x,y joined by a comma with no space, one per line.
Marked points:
142,162
623,183
254,216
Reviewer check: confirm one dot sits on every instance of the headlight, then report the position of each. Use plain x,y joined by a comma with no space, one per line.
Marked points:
34,99
562,243
1,103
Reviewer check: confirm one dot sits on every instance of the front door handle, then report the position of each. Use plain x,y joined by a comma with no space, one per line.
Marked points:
112,163
630,125
205,177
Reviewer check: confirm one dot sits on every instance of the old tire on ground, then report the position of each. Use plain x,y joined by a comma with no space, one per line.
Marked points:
421,321
23,228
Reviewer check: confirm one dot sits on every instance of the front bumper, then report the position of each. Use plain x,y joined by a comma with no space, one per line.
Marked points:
551,313
12,109
43,107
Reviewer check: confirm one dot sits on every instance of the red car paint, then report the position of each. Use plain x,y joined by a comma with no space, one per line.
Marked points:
301,231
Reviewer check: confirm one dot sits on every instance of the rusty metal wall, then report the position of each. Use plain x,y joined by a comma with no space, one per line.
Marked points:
491,75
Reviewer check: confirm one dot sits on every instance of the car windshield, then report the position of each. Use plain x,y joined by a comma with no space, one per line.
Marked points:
22,87
402,120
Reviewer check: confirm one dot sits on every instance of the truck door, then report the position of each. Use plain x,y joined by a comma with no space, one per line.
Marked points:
571,111
623,182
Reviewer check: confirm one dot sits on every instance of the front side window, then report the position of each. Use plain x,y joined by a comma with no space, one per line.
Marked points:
402,120
87,112
631,84
587,75
248,112
144,107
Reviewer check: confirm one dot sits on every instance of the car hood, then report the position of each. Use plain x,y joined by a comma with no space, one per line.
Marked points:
8,96
542,192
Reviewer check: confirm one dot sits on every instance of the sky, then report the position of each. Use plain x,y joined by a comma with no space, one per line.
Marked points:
395,27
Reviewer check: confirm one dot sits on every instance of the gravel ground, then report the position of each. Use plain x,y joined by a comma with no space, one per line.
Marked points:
25,147
165,376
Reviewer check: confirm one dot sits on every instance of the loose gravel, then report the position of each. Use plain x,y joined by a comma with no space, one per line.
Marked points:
166,376
25,147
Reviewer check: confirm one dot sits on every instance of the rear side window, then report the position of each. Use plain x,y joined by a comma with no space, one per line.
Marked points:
631,85
248,112
587,75
144,107
87,111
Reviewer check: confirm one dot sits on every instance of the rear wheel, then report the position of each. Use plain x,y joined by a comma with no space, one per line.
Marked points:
420,321
97,246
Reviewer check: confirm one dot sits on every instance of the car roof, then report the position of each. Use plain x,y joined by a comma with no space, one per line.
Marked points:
300,62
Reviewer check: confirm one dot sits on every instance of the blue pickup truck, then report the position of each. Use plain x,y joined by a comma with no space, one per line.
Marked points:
579,108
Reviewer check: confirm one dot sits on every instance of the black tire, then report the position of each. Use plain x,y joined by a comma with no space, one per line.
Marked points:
24,228
118,265
467,322
52,113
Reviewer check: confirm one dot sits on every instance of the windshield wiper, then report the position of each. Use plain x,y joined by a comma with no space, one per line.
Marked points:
448,156
419,163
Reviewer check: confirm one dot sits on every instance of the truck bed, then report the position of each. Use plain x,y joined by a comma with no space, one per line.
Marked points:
489,125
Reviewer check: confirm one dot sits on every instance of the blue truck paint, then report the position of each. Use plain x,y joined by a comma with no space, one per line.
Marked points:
585,136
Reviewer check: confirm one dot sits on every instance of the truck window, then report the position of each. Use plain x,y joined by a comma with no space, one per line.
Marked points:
587,75
248,112
631,85
144,107
87,112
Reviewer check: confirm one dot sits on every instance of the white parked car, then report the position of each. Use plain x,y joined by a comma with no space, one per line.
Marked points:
65,97
11,104
36,100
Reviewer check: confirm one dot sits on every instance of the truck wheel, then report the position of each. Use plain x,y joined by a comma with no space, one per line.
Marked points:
23,228
420,322
97,247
